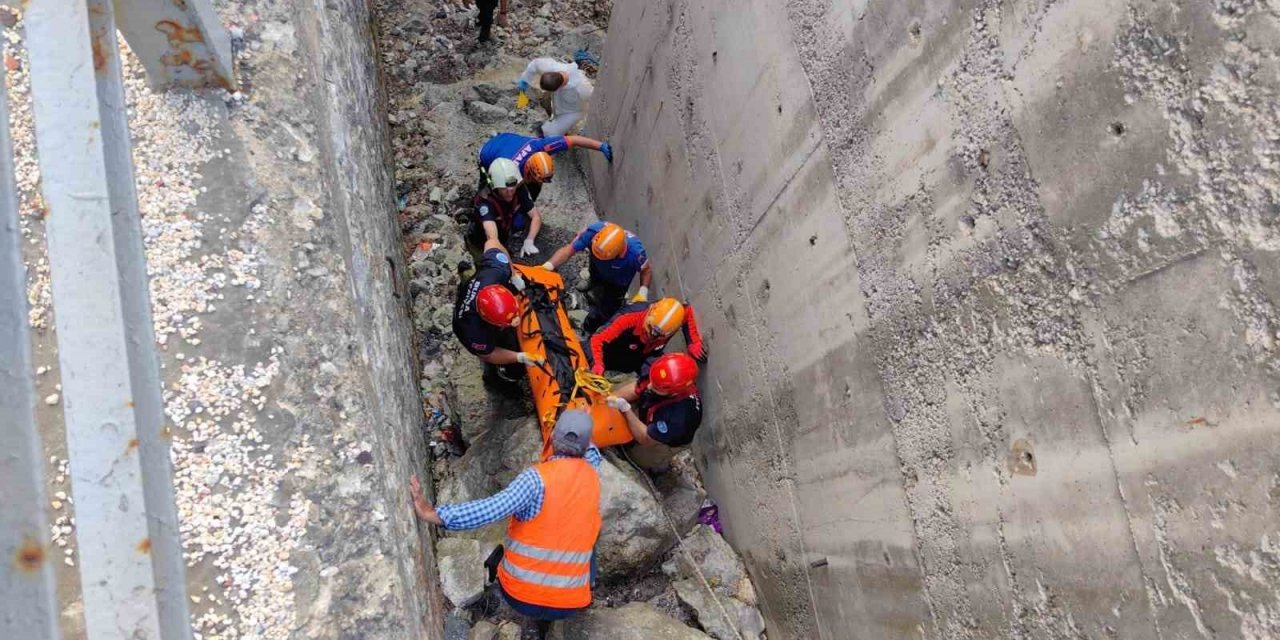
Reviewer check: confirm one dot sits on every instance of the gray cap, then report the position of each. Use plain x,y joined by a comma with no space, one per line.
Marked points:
572,434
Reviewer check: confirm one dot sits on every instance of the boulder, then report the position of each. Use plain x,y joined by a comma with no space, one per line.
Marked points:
484,630
456,626
746,619
717,560
495,457
508,631
485,113
682,492
635,621
634,533
462,571
496,93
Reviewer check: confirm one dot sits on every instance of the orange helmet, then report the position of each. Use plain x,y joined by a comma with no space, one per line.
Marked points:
496,305
673,374
664,317
540,167
610,242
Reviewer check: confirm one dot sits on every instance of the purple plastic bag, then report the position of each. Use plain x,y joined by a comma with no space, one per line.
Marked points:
709,515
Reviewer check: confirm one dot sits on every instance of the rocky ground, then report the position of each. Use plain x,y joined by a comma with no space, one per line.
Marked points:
447,95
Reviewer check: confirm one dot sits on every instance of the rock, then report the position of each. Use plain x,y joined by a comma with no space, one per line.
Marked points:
682,492
747,592
635,621
717,560
586,36
746,619
578,316
456,627
462,571
484,630
485,113
541,28
499,448
495,94
436,195
509,631
634,533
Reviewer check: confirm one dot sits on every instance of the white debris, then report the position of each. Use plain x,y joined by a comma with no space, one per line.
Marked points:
227,478
52,399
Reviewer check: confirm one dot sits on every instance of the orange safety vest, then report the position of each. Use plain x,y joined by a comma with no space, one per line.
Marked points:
547,561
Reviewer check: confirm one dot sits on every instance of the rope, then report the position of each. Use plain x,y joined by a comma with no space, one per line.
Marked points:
653,491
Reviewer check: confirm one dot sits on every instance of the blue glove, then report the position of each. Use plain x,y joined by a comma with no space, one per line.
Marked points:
607,151
522,85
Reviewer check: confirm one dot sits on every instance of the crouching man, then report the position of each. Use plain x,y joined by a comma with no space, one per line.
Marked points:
547,563
663,408
485,314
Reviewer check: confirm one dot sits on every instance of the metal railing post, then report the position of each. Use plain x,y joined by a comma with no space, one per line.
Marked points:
27,607
131,566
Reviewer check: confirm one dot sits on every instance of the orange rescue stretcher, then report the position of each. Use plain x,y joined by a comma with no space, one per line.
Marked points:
545,331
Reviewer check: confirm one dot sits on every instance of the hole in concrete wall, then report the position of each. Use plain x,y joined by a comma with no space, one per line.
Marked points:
1022,459
1117,129
915,31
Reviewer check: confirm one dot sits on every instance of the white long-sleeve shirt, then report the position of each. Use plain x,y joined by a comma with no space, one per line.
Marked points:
573,96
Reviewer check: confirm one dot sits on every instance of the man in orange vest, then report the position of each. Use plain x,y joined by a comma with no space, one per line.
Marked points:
547,562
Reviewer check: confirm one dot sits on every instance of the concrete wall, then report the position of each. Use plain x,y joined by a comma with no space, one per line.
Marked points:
387,587
991,294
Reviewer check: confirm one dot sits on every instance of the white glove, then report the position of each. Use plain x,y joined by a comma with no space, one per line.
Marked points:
618,403
517,282
528,249
528,359
548,266
642,295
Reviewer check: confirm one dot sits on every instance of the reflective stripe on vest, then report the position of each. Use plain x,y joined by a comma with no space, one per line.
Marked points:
550,555
547,579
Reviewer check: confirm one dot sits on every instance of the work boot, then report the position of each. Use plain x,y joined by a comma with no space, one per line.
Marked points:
544,629
484,33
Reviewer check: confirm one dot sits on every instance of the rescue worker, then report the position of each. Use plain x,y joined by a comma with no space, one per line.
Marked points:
570,90
485,314
533,156
485,17
504,209
617,257
631,340
546,567
664,406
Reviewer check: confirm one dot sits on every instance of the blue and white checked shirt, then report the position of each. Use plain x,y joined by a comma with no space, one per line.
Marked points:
522,498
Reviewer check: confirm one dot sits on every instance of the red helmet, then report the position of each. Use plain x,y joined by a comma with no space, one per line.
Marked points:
673,374
496,305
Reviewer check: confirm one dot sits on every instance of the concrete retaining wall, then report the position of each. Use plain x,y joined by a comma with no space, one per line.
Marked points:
991,294
389,588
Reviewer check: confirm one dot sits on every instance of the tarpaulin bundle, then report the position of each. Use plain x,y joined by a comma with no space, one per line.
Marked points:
564,380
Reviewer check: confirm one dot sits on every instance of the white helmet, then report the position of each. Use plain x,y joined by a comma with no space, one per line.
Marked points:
503,172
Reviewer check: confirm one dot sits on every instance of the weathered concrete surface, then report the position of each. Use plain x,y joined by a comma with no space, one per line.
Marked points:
991,290
278,295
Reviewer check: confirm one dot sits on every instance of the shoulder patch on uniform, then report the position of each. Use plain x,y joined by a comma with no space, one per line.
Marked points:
502,257
661,426
483,209
478,347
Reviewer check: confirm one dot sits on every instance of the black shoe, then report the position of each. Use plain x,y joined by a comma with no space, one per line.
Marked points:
484,33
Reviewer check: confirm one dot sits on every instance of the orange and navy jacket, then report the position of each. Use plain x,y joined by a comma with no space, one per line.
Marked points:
624,334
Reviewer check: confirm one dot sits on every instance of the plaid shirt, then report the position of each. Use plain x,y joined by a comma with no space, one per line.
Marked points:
522,499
